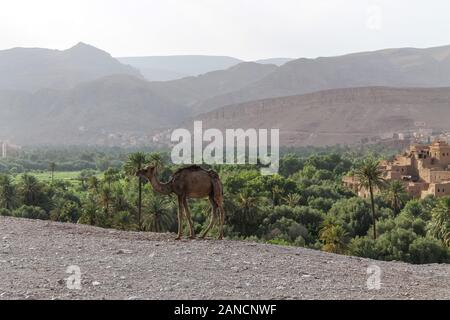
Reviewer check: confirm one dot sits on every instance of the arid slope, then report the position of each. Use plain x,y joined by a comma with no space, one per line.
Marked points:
34,256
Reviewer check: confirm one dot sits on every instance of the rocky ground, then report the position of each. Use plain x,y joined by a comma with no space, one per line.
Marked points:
35,257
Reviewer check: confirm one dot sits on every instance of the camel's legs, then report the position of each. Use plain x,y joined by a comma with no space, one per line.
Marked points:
213,218
180,218
222,221
189,219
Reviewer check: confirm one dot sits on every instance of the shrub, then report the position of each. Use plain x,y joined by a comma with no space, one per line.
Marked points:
70,212
394,245
5,212
385,225
363,247
300,242
320,203
31,212
310,218
427,250
296,231
353,214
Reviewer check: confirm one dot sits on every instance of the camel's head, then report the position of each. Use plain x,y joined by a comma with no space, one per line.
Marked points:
146,172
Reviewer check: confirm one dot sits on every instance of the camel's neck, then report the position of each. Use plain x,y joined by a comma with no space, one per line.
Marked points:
163,188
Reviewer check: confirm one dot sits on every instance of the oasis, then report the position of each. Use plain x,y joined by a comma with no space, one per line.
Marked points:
236,146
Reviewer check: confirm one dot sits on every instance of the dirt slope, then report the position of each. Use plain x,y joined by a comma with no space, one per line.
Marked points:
34,256
338,116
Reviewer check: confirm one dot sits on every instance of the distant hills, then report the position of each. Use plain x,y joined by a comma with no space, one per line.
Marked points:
108,110
192,92
166,68
31,69
406,67
276,61
83,95
338,116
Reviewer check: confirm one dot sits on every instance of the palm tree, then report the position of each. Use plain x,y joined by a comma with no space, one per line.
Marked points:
7,192
276,193
110,176
396,196
159,217
120,200
292,199
29,188
156,160
370,176
136,161
439,226
52,167
335,238
84,176
89,211
93,183
106,197
248,205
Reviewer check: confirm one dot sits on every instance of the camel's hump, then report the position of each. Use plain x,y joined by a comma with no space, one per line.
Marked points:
196,167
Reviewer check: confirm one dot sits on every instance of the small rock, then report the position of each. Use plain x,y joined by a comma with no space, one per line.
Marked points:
96,283
124,251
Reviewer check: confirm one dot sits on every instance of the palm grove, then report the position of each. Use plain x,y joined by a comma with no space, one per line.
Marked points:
305,205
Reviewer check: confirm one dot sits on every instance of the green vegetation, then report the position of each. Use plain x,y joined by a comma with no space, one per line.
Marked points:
306,205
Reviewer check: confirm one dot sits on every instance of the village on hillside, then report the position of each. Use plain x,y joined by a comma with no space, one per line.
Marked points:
423,169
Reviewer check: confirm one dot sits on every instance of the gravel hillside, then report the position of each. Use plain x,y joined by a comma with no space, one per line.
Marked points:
35,255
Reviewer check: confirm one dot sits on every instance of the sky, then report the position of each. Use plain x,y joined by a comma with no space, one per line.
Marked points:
246,29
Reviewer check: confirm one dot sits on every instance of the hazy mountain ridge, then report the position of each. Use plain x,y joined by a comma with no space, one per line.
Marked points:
118,104
406,67
276,61
31,69
176,67
80,94
192,91
167,68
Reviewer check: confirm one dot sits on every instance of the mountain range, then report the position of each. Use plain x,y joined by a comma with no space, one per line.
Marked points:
166,68
84,95
407,67
30,69
92,112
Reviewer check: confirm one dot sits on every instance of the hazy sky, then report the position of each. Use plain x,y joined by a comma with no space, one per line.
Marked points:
247,29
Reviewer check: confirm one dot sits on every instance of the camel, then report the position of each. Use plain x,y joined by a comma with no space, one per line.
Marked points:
191,182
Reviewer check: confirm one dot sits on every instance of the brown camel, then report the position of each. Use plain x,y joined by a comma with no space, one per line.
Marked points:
191,182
